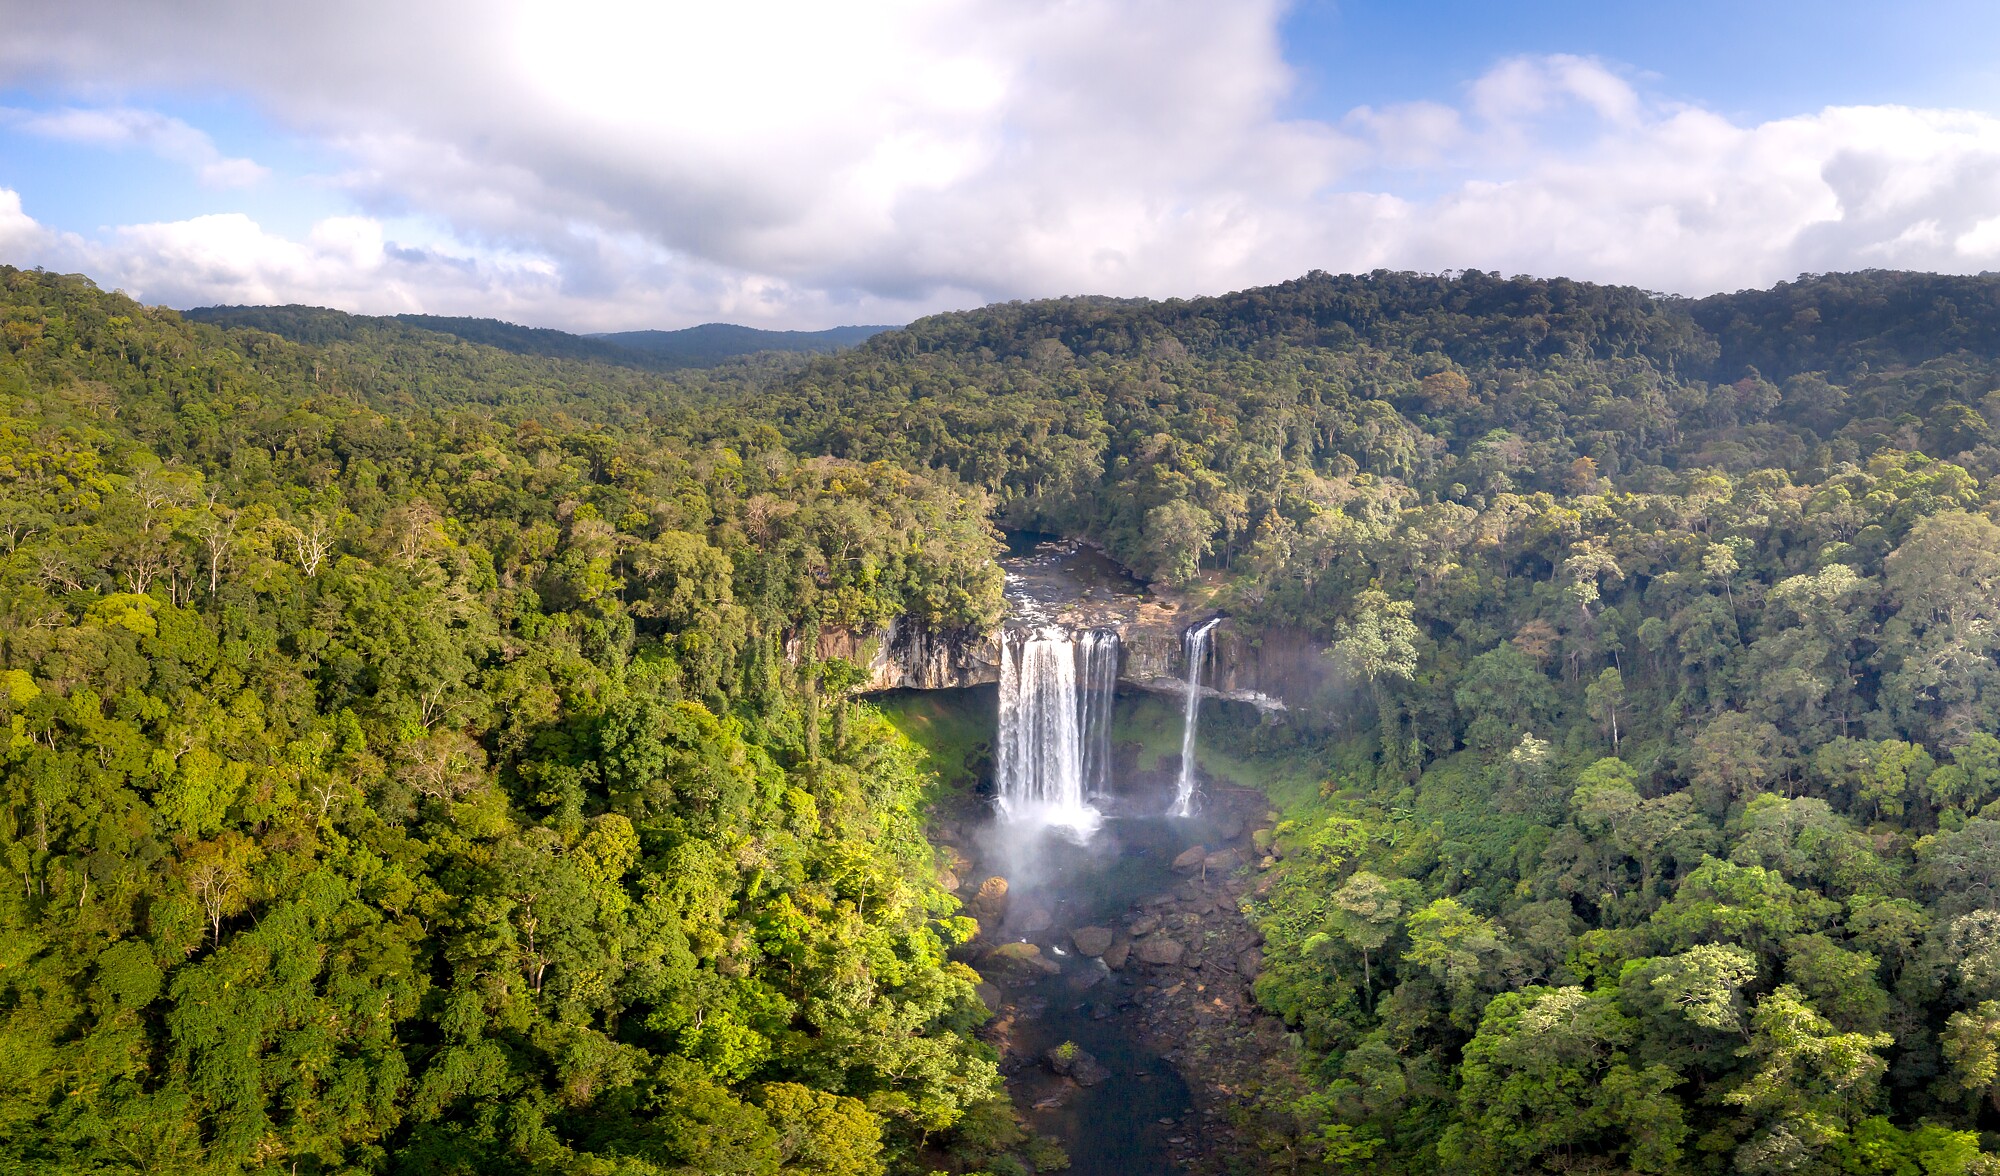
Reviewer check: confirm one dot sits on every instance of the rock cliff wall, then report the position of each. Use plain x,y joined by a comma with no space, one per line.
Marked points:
1076,587
1271,669
909,656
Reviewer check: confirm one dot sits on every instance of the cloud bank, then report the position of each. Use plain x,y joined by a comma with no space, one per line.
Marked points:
601,165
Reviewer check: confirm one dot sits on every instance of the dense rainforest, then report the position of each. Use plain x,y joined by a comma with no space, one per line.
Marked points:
406,773
420,761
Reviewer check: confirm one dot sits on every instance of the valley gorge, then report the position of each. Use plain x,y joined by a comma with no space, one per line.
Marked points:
1114,950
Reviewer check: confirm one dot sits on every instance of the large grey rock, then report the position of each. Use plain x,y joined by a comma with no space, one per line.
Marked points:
1016,964
1076,1064
1092,941
1191,858
1028,919
1144,925
1114,957
1159,950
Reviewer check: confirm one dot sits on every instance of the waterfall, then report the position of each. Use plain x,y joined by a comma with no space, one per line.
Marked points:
1055,724
1194,643
1097,674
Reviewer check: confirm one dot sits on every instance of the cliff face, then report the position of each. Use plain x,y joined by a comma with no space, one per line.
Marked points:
908,656
1076,588
1270,669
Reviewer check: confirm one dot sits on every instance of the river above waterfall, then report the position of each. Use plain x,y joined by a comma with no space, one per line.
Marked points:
1048,578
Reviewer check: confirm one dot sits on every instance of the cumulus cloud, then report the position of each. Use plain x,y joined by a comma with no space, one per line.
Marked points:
607,164
169,138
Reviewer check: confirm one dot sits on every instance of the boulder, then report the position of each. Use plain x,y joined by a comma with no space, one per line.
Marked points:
1086,1072
1249,962
1191,858
1016,964
1263,839
953,859
1028,919
1144,925
947,880
989,903
1074,1063
1085,979
1092,941
988,996
1221,861
1159,950
1114,957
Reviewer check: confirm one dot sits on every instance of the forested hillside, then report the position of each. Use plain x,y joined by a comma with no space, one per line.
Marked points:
413,768
706,346
1658,827
405,772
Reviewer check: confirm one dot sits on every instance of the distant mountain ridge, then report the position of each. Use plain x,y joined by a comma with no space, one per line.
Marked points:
712,343
692,347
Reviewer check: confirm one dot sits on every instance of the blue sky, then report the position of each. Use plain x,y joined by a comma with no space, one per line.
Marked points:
607,164
1749,58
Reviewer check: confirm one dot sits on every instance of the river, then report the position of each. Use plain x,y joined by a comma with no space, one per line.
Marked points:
1120,983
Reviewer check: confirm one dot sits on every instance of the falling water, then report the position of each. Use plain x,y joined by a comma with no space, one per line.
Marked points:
1194,643
1042,754
1097,685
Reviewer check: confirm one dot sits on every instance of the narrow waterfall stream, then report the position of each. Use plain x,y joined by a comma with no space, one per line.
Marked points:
1097,654
1187,795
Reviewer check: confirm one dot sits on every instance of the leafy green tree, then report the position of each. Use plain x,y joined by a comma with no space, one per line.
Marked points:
1545,1083
1465,953
1809,1085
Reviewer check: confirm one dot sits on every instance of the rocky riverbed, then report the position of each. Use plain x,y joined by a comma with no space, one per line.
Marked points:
1120,975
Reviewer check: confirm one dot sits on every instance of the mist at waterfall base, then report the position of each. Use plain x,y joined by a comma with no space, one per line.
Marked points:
1130,1123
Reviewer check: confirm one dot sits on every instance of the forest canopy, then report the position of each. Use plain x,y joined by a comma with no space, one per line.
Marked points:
421,762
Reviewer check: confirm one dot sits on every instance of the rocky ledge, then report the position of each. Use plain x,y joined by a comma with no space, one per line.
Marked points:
1075,587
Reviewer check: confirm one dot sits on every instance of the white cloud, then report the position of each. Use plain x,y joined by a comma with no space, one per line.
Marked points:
168,138
1526,86
604,164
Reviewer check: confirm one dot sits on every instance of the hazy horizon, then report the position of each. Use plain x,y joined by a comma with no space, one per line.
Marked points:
609,166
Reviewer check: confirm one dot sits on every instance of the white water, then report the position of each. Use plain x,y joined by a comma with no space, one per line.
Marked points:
1054,740
1097,687
1194,643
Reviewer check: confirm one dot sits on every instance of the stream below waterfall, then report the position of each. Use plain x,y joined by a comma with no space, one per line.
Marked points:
1115,956
1139,1114
1162,1016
